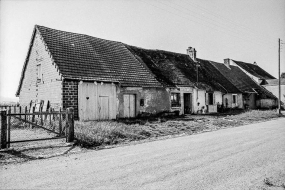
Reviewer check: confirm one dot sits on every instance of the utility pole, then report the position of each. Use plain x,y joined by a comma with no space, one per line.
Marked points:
279,82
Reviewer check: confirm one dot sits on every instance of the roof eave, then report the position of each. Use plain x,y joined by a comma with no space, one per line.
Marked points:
26,62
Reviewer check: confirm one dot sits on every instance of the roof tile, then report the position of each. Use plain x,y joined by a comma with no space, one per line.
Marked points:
80,56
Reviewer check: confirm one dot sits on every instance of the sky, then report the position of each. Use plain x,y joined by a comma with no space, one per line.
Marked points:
242,30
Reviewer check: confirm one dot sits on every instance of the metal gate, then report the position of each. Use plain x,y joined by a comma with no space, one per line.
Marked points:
37,126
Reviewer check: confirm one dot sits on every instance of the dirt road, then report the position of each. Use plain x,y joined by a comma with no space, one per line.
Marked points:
236,158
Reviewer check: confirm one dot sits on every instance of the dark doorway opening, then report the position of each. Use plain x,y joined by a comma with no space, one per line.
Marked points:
187,103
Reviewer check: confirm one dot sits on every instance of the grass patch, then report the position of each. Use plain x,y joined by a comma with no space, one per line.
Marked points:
255,115
95,133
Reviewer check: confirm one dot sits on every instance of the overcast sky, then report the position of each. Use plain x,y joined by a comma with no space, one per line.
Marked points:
244,30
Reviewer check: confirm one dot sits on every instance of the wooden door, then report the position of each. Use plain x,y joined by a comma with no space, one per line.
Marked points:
87,103
129,105
132,105
97,101
103,107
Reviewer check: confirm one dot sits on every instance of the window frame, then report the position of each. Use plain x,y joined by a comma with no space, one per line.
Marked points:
175,99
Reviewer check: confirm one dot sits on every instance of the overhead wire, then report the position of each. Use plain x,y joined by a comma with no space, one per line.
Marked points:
219,26
214,14
187,18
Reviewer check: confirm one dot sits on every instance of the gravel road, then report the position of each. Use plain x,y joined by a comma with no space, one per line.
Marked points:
235,158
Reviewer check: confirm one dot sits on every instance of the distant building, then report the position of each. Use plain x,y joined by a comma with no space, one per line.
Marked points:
253,94
273,86
252,70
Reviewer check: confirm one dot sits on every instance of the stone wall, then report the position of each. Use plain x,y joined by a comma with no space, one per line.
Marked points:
154,100
48,86
274,89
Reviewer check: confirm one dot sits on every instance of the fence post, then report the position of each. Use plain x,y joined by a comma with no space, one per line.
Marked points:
3,129
20,110
33,116
70,123
26,110
60,124
9,129
50,116
42,122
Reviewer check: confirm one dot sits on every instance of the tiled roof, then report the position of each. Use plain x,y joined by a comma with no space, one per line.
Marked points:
241,80
162,64
255,70
83,57
175,69
213,75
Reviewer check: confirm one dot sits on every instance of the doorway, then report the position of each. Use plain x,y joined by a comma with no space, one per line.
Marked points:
129,105
187,103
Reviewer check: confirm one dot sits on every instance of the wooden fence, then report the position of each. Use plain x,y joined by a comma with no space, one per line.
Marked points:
60,123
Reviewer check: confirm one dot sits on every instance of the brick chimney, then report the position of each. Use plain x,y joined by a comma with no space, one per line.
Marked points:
227,62
192,53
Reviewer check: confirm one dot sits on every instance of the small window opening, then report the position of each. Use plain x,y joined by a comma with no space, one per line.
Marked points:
234,98
175,100
39,72
141,102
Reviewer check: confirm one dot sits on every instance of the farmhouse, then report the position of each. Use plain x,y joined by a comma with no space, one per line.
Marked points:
103,79
252,70
253,95
99,78
190,78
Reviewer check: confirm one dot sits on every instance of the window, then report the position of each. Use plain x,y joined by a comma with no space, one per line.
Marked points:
234,98
39,72
142,102
211,98
175,100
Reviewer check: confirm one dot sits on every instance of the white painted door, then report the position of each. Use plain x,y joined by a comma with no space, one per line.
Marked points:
87,101
129,105
97,101
103,107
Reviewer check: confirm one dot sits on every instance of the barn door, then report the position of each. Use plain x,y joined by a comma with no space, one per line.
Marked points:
96,101
103,107
129,105
87,101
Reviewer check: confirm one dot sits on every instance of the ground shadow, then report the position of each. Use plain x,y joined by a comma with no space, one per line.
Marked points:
165,116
